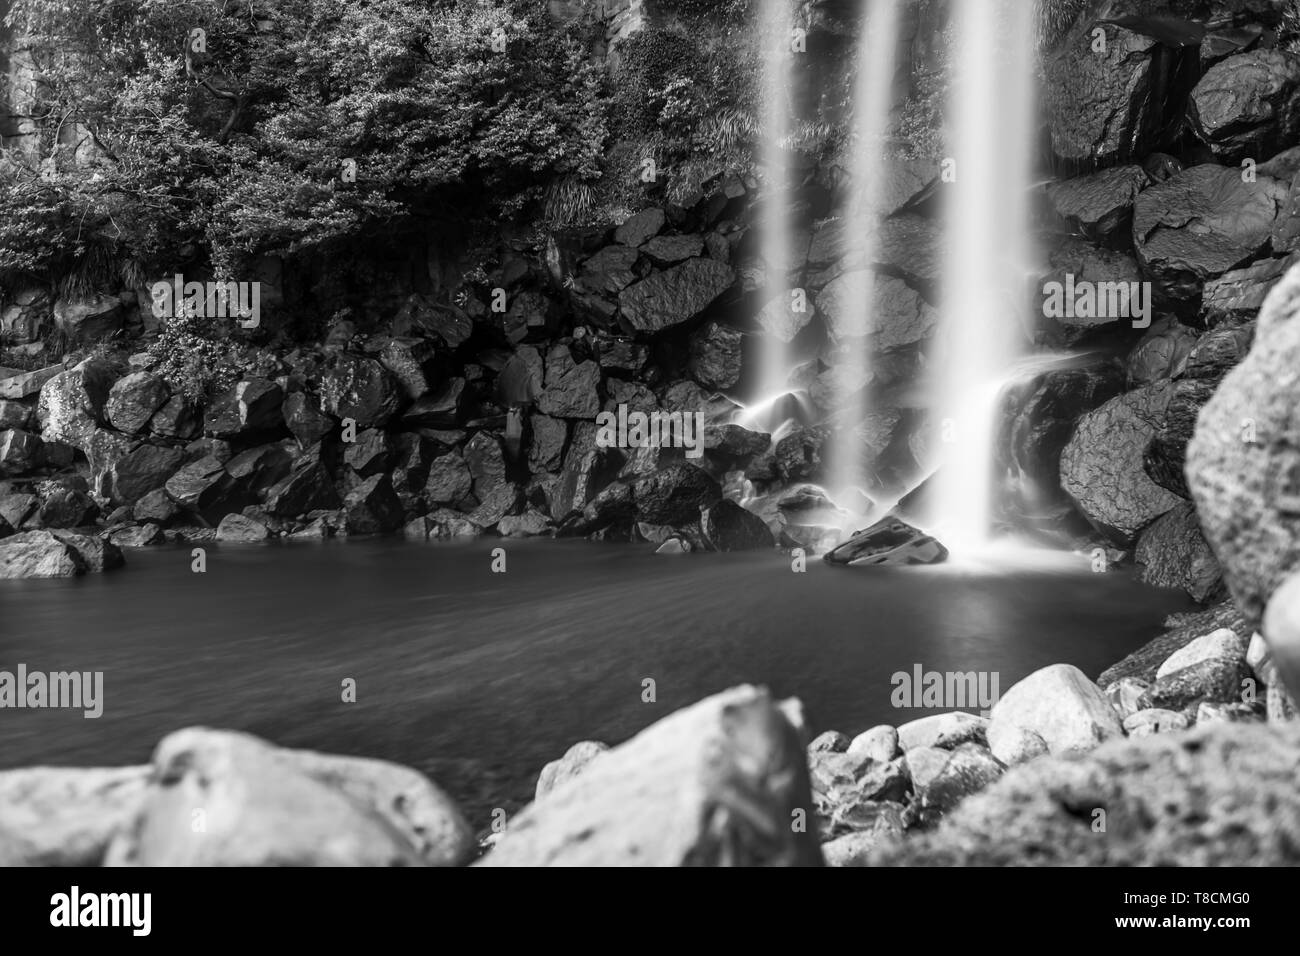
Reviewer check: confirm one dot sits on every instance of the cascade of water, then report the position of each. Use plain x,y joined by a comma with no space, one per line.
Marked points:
776,25
987,256
873,96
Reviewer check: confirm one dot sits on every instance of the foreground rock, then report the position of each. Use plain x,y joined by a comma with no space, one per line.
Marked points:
1217,796
57,816
891,542
714,784
1059,705
262,805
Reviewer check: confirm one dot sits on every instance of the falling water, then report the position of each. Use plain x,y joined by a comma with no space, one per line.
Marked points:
873,96
988,255
776,227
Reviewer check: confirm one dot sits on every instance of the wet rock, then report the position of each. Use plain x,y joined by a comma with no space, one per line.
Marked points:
674,546
361,389
1060,705
888,542
144,469
201,486
899,318
449,480
944,731
1144,723
1223,642
1099,205
665,251
503,500
668,299
1201,223
1246,484
969,769
64,816
572,389
1074,262
1248,104
639,228
249,411
1105,107
575,760
627,806
675,495
798,454
735,441
372,507
1102,466
715,360
304,419
441,408
306,488
729,527
67,508
1237,296
1172,553
137,536
178,417
1162,353
1218,679
20,452
133,400
268,806
38,554
71,406
780,319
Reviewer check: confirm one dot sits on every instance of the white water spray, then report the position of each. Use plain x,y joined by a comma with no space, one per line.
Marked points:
988,254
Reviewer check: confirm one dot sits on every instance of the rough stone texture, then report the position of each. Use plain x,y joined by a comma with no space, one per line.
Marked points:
878,743
239,528
372,507
1173,553
1102,466
269,806
575,760
1143,663
899,316
1247,493
1248,104
639,228
714,784
38,554
1218,796
1161,353
675,495
1093,264
1223,642
20,452
969,769
1059,704
944,731
668,299
449,480
1218,680
95,554
361,389
57,816
1237,296
715,360
1100,204
1201,223
140,471
729,527
1144,723
572,392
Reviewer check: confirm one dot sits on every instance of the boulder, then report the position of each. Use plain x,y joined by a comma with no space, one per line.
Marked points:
896,317
1161,353
637,229
449,480
178,417
19,385
585,472
304,419
735,441
267,806
372,507
486,461
572,389
201,486
71,405
668,299
575,760
969,769
1243,464
522,377
132,401
1173,553
1143,663
306,488
878,743
238,528
1144,723
88,320
1099,205
137,536
67,508
14,414
20,452
38,554
1248,105
441,408
729,527
530,524
944,731
715,784
1202,223
1124,695
1102,465
546,440
406,358
888,542
361,389
258,470
715,360
1057,703
665,251
832,741
675,495
1073,262
65,816
1221,643
1238,295
782,320
1215,679
1218,796
505,499
144,469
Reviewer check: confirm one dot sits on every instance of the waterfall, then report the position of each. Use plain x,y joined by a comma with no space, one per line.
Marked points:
776,25
872,99
987,256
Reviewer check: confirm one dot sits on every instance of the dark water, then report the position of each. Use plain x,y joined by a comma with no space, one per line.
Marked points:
479,678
